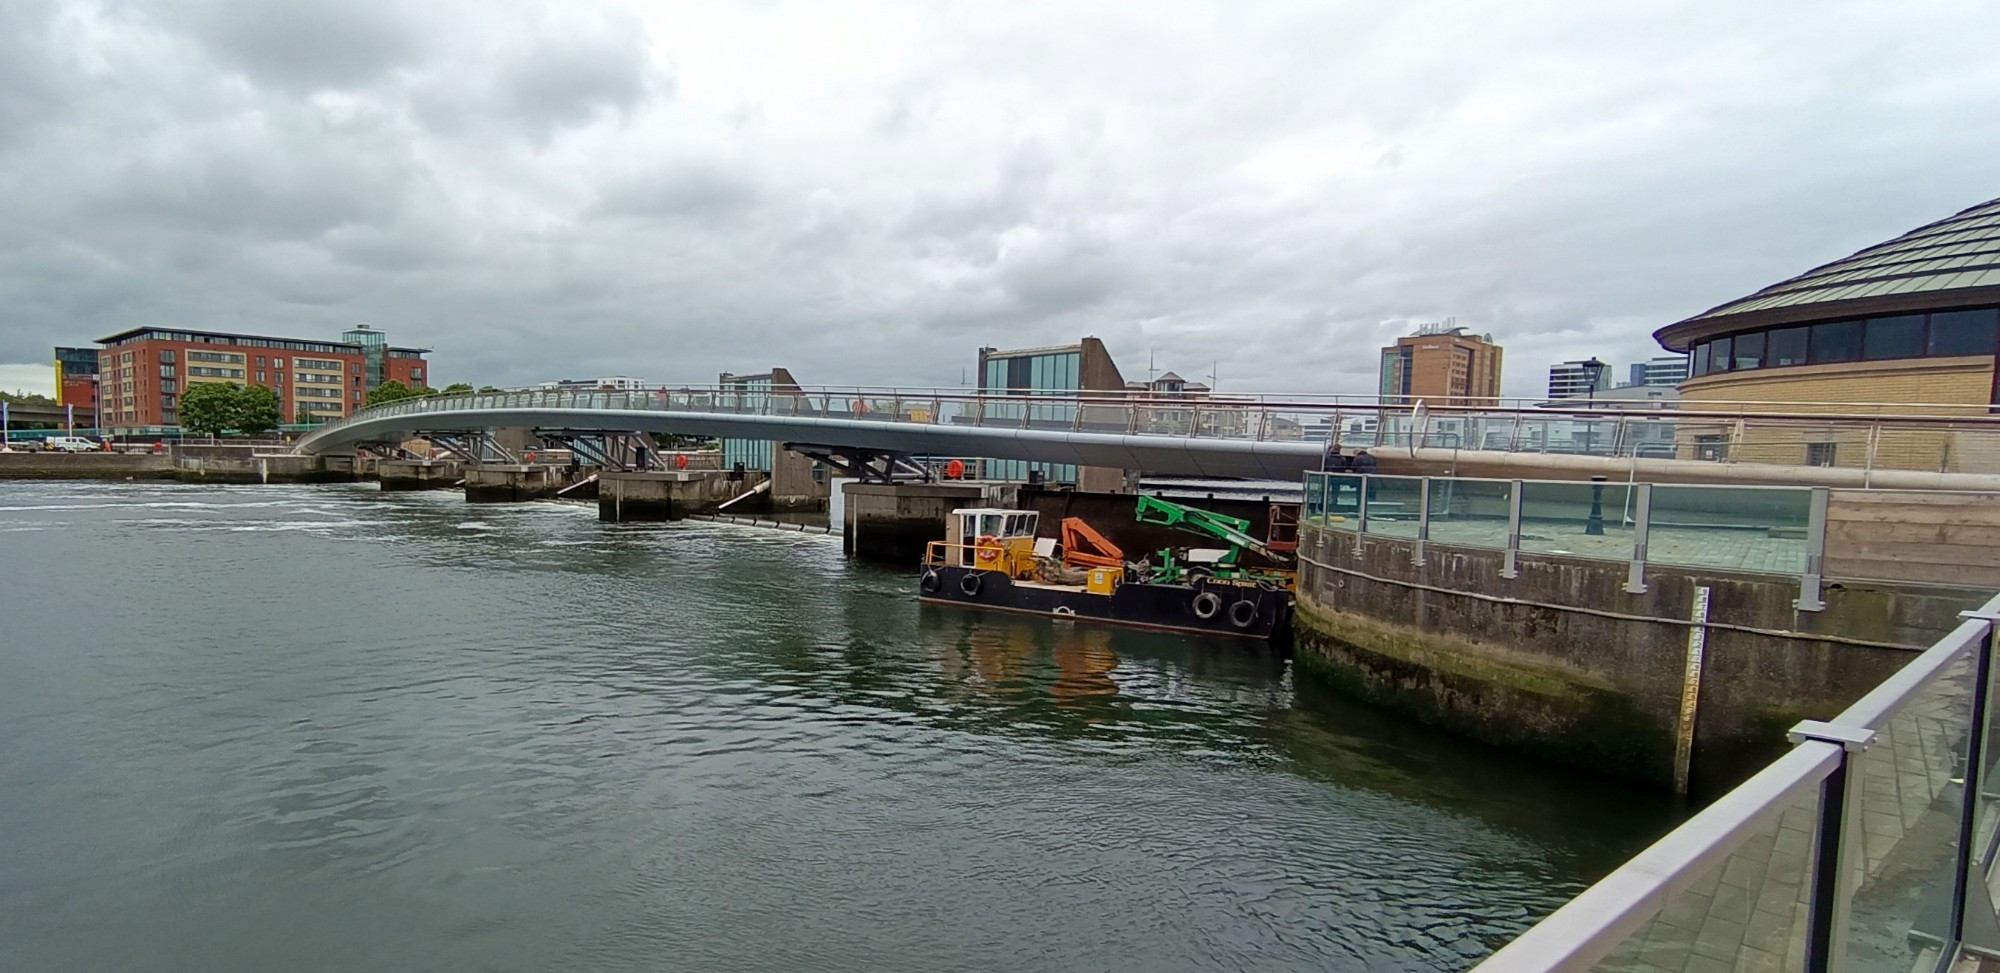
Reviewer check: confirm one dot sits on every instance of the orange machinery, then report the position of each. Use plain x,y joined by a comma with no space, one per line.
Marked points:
1084,547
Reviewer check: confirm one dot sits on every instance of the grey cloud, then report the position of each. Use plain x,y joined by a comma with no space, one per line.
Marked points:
697,189
303,45
541,188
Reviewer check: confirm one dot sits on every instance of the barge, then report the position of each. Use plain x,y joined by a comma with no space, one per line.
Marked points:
994,561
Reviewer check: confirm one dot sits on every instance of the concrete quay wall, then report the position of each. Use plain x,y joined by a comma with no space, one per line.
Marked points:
1563,662
205,464
894,523
670,495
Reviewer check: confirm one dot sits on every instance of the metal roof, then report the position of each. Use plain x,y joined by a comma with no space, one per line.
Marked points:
1952,262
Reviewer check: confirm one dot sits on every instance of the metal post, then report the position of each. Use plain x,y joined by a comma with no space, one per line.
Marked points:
1809,583
1835,845
1360,511
1595,525
1423,520
1970,790
1642,524
1510,568
1697,651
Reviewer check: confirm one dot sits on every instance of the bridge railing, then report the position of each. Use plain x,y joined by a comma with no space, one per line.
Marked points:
1813,436
1869,846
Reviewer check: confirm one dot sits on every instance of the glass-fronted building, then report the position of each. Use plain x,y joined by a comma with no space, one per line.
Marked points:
1017,377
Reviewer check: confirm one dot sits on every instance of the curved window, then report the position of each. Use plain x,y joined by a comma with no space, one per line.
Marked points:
1938,334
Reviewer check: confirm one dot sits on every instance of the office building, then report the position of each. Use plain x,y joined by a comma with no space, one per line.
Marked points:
76,377
797,481
1671,370
1911,323
1573,379
142,372
1441,364
1021,375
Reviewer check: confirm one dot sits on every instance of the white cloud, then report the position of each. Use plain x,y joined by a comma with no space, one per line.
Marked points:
867,192
32,379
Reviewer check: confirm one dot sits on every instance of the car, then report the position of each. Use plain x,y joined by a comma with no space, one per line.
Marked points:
69,444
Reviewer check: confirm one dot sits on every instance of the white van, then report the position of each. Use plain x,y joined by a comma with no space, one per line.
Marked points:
69,444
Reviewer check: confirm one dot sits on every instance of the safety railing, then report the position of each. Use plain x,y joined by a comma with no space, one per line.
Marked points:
1942,442
1760,529
1870,845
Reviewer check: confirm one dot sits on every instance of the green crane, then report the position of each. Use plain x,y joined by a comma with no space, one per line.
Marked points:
1234,531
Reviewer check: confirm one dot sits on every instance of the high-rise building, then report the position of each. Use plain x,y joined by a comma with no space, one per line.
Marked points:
1671,370
76,377
1572,379
142,372
1442,364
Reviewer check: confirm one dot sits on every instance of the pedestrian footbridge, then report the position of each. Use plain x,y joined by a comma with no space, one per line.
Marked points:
1265,437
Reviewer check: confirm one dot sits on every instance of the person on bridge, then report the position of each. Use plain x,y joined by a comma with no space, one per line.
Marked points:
1364,464
1333,461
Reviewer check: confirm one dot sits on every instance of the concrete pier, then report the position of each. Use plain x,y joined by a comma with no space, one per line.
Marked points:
510,483
670,495
893,523
419,474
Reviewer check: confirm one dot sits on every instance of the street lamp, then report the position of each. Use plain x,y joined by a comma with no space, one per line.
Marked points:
1592,371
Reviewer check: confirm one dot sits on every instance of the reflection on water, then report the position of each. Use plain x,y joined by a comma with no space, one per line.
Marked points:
328,728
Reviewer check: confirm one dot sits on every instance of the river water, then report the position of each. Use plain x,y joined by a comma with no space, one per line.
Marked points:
326,728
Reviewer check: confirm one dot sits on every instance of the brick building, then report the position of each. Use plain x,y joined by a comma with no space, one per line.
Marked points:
142,372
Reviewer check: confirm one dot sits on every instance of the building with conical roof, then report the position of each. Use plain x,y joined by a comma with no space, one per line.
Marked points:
1913,321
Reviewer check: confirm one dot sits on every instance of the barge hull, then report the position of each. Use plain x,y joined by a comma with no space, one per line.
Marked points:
1161,607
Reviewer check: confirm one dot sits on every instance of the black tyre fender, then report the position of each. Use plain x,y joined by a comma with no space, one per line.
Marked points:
970,585
1206,604
931,583
1243,614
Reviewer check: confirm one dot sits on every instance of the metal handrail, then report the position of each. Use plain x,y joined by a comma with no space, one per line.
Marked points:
1587,928
1594,923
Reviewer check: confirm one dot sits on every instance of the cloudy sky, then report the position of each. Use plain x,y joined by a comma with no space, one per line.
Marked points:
868,192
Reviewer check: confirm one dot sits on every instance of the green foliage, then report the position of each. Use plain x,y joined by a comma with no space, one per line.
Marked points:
457,387
207,408
258,409
18,397
305,418
390,391
488,388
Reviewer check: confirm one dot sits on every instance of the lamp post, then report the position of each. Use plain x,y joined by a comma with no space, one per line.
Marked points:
1592,371
1595,525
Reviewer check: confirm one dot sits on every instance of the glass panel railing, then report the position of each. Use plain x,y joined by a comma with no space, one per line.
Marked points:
1471,513
1394,505
1910,808
1746,913
1343,501
1731,528
1578,518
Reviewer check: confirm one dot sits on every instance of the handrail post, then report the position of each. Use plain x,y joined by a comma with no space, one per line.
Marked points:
1510,566
1423,521
1836,842
1815,566
1642,525
1360,512
1974,789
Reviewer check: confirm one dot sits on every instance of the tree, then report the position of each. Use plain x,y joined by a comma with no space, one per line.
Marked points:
305,417
487,388
207,408
18,397
390,391
456,388
257,410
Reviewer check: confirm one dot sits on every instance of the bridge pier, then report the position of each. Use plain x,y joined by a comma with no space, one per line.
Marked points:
510,483
663,495
893,522
418,474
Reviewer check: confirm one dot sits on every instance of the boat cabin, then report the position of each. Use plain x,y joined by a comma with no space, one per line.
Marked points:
1013,530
